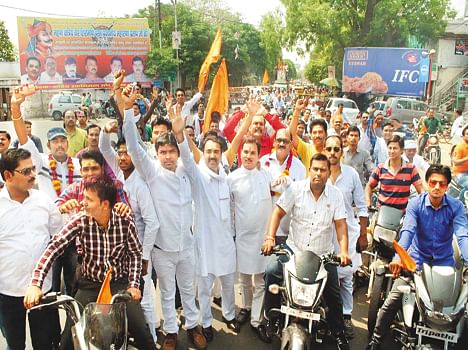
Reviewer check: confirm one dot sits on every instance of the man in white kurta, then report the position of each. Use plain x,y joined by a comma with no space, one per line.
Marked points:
348,182
146,220
251,198
173,255
215,250
283,164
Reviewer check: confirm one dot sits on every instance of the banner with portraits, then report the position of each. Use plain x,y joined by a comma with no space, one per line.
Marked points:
70,53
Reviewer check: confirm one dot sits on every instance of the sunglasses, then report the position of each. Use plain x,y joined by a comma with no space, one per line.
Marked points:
335,149
434,183
285,141
26,171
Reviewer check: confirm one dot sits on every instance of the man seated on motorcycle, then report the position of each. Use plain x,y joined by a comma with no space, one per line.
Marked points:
315,206
431,124
431,220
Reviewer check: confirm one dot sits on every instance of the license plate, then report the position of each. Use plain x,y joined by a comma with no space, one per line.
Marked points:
299,313
432,333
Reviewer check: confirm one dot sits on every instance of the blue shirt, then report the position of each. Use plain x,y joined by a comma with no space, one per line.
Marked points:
427,232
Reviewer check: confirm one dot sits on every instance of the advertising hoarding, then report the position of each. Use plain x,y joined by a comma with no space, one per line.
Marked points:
70,53
388,71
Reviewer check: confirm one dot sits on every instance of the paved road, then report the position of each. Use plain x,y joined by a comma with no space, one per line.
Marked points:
247,340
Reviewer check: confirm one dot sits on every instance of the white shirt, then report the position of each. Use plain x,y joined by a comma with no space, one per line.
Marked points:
297,172
187,107
47,79
380,151
171,193
196,126
138,194
312,221
457,128
349,183
215,248
250,193
420,164
44,177
364,142
25,231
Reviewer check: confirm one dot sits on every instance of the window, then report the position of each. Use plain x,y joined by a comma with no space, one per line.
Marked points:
403,104
419,106
64,99
76,99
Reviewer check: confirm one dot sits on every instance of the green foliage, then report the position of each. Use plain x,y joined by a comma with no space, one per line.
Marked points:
198,22
272,38
7,50
333,25
292,71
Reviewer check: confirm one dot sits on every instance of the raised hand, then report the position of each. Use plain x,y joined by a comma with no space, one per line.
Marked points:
253,105
118,78
169,99
112,127
129,96
301,104
20,93
178,125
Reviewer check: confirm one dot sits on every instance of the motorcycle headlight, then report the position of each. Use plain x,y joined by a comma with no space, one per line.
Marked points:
303,294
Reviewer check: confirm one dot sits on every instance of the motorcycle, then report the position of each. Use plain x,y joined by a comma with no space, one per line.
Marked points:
433,306
385,228
302,305
432,152
101,326
458,189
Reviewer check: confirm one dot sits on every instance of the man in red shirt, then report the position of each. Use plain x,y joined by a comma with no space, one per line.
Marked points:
257,129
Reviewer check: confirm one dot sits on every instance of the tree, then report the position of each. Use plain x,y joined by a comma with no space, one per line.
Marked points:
272,38
336,24
7,50
292,71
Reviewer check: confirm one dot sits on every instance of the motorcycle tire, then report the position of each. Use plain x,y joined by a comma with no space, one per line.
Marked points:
375,302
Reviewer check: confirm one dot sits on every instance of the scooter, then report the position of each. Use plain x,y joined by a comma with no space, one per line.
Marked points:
385,228
433,308
101,326
302,305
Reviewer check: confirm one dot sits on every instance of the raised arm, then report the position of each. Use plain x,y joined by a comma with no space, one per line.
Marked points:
231,124
105,147
300,105
18,97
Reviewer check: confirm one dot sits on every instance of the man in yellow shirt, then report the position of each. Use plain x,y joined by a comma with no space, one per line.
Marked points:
318,133
77,138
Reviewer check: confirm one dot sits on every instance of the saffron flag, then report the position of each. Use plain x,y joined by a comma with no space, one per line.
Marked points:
213,56
105,294
406,260
219,95
266,77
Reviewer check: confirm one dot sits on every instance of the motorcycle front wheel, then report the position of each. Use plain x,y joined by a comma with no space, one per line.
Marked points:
375,302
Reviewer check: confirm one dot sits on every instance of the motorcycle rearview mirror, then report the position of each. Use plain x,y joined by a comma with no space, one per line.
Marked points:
274,289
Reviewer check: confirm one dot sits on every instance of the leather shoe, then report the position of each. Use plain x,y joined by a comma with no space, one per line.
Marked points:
170,342
243,316
208,333
196,336
262,333
233,325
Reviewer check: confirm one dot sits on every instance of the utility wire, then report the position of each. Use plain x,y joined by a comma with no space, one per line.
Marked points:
40,12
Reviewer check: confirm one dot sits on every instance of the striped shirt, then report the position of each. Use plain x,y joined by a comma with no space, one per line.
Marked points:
117,246
394,190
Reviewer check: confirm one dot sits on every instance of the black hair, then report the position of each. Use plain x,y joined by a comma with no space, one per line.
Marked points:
27,122
92,58
11,158
189,127
94,155
166,138
387,124
162,121
397,139
321,158
104,187
215,117
33,58
8,136
253,140
121,141
92,126
179,89
213,138
116,58
458,111
353,128
136,59
439,169
464,129
321,122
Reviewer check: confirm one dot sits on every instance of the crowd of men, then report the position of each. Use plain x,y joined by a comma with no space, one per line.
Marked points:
191,209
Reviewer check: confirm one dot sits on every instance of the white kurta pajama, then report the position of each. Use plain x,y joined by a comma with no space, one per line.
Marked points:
251,197
349,184
215,250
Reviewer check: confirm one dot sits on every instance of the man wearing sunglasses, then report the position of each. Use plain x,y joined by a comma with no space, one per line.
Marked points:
425,241
28,218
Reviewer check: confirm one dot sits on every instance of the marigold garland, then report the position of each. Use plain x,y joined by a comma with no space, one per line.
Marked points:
56,183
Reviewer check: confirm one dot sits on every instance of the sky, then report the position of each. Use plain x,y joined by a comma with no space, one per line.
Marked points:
251,11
